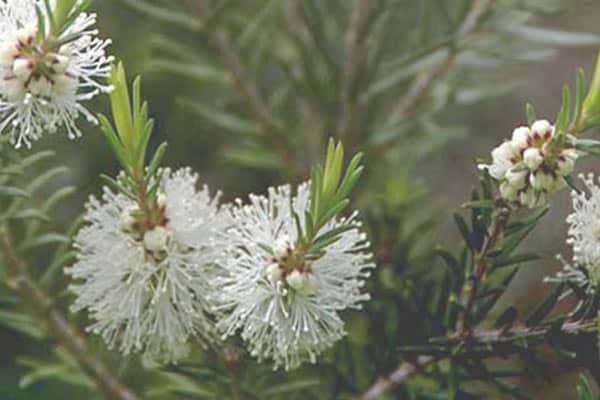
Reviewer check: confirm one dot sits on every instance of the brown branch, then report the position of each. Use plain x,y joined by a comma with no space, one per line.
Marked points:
480,344
353,66
423,83
396,378
471,286
249,90
58,326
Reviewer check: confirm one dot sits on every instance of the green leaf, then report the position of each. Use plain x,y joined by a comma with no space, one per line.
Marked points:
44,240
530,111
584,389
21,323
61,14
122,113
479,204
222,119
562,119
289,387
553,37
11,191
164,14
579,97
542,311
156,160
194,71
462,228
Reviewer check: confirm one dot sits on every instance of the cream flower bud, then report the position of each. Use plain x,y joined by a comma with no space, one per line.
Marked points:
529,198
282,246
533,158
502,157
60,64
520,137
161,200
542,129
503,152
517,179
566,161
509,192
157,239
40,87
302,282
127,221
540,181
22,68
25,36
8,52
274,272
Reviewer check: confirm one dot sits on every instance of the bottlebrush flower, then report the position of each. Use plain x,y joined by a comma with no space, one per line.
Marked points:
285,304
584,223
530,166
584,238
148,288
46,76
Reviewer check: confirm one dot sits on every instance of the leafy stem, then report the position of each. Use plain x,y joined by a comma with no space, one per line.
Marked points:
58,326
330,188
129,139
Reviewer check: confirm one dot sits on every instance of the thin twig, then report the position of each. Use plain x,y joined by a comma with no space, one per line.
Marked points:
396,378
65,334
424,82
263,115
353,65
511,340
471,287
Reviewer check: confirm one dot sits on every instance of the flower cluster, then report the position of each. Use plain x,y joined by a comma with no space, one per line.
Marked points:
584,237
147,284
152,286
531,164
46,75
286,304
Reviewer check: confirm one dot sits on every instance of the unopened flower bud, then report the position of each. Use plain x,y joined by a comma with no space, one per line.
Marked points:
540,181
40,87
22,68
520,137
566,161
60,64
25,36
302,282
157,239
542,129
509,192
8,52
517,179
282,247
161,200
529,198
274,272
127,221
533,158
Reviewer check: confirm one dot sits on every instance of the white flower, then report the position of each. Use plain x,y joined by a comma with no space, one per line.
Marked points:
285,306
583,276
584,224
531,165
42,84
152,294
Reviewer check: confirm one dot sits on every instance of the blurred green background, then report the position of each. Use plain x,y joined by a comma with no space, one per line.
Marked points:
448,174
